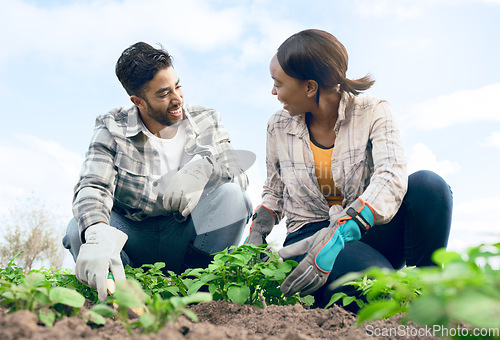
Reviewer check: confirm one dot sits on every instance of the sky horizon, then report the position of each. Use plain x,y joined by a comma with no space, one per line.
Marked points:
435,62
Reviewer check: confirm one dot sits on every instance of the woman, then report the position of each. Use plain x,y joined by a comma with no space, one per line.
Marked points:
336,170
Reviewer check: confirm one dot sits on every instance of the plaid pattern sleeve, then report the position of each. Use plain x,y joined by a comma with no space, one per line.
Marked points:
93,194
367,161
118,171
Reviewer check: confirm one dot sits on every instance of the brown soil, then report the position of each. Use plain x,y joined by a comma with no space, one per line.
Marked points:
218,321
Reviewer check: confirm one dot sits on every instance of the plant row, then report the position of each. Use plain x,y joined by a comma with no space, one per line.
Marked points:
238,275
461,290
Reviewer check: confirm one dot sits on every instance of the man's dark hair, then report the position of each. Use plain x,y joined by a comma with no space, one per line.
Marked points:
138,64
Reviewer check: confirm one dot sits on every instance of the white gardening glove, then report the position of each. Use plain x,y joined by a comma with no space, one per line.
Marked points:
99,255
184,189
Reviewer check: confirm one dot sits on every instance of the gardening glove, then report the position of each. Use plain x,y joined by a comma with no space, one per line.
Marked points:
322,248
99,255
263,221
184,189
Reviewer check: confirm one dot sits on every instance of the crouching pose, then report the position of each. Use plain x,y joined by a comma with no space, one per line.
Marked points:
336,170
160,181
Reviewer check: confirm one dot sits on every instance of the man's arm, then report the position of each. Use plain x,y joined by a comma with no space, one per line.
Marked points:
93,194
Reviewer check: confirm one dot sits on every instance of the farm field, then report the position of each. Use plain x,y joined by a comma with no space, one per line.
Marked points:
217,320
238,297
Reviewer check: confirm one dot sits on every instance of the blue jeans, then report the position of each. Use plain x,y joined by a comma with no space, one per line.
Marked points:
421,226
217,222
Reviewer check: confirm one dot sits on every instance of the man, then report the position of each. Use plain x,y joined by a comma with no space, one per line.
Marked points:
160,181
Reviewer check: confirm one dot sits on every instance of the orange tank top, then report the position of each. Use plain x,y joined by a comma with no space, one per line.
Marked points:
323,169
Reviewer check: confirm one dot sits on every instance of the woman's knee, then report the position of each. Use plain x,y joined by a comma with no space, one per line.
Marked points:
426,184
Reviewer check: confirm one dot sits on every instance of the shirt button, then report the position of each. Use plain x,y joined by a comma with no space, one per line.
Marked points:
155,184
155,153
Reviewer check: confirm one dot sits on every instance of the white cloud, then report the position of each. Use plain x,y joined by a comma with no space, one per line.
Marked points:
63,30
39,168
475,222
457,108
493,140
404,13
398,9
481,206
370,8
422,158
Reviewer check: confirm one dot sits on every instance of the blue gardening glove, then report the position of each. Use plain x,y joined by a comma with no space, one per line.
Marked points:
263,221
323,247
100,255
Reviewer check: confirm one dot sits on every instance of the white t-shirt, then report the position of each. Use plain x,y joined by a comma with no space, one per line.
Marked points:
172,158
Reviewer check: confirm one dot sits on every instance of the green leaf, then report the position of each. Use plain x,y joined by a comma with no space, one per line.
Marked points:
190,314
443,257
428,310
196,298
285,267
104,310
238,294
381,309
91,316
66,296
308,300
346,300
34,280
475,308
47,316
129,294
273,274
195,287
335,297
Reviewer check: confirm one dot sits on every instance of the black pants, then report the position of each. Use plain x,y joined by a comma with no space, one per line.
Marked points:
421,225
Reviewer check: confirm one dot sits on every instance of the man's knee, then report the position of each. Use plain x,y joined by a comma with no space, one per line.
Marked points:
231,195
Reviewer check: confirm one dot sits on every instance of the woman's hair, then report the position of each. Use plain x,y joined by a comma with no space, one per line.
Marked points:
138,64
317,55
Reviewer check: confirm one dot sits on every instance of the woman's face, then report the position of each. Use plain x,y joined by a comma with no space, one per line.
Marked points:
291,92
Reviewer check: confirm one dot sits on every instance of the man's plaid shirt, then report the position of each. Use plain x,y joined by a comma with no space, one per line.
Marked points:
119,168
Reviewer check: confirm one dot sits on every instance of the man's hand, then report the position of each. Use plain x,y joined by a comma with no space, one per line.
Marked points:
185,187
263,221
99,255
323,247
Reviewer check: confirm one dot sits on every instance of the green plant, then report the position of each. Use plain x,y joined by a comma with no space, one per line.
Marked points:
35,294
461,289
382,293
239,275
63,277
12,273
154,311
153,281
466,289
161,311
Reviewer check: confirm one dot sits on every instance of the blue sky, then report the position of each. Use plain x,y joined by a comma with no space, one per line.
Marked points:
435,61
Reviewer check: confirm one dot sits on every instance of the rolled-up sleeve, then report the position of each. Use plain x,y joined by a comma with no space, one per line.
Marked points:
389,181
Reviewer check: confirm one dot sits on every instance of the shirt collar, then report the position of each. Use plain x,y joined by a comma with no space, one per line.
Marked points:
297,124
134,122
